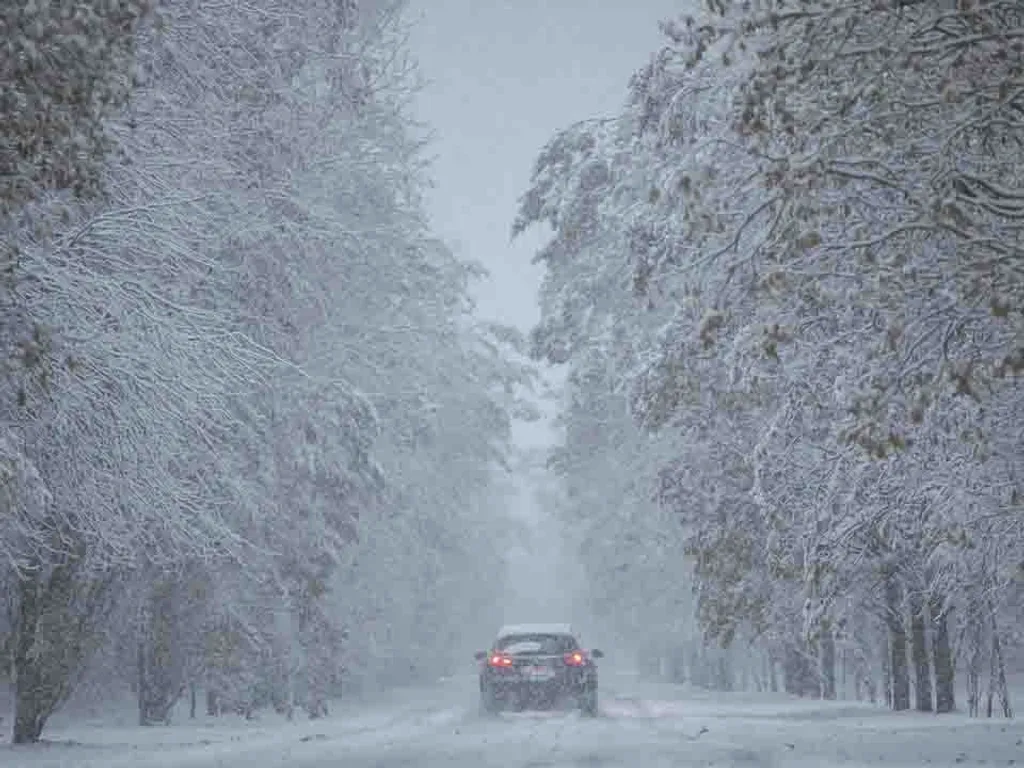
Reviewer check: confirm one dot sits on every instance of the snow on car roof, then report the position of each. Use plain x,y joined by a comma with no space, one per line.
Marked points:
535,629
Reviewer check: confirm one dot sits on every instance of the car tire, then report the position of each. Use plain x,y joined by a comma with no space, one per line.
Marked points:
588,703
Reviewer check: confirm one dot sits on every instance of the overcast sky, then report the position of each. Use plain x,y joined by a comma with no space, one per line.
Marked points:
504,76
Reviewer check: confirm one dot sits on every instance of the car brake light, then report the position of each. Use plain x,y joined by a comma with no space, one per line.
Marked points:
498,660
575,659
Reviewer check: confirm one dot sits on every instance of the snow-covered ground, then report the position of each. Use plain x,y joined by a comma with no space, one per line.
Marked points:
643,725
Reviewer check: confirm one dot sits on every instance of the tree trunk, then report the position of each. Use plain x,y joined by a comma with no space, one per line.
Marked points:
997,679
677,665
919,655
864,672
859,679
212,705
942,654
724,673
867,676
161,667
699,675
887,668
192,701
843,674
974,653
54,634
799,676
897,642
989,694
898,665
827,643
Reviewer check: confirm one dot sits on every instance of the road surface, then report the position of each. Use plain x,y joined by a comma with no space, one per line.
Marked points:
642,725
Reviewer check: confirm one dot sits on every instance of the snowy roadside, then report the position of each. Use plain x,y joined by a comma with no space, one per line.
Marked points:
774,730
113,738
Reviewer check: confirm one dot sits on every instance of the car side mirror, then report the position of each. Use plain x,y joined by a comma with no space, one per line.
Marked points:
480,655
597,653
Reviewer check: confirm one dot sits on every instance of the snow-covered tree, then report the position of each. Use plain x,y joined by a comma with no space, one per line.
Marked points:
64,69
809,217
238,369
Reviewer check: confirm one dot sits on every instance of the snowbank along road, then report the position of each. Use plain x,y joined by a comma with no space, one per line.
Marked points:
642,725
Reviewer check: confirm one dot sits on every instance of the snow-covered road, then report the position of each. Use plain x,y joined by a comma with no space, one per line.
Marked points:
642,725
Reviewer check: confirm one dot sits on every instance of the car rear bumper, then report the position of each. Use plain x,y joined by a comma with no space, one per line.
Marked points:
563,685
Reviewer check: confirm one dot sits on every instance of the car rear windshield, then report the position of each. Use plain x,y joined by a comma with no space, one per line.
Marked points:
536,644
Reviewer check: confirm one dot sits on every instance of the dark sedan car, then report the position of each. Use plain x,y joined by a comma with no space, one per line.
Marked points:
538,666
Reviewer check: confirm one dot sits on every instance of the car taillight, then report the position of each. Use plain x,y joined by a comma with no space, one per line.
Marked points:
575,659
499,660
